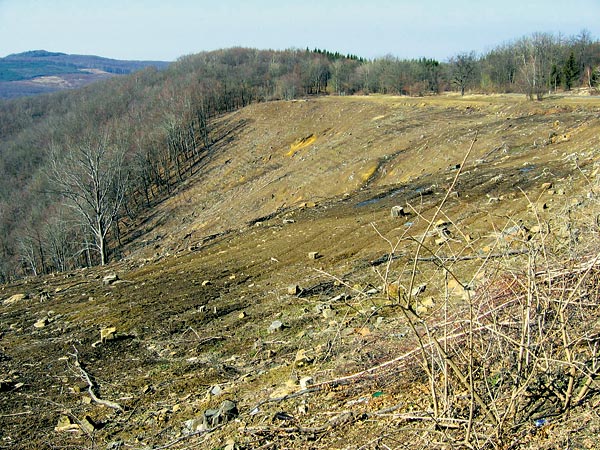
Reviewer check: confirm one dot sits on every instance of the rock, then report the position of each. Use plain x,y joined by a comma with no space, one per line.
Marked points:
65,425
107,334
14,299
546,186
313,255
216,390
419,290
87,425
276,325
305,382
441,240
288,221
242,315
441,223
302,359
206,283
398,211
110,279
41,323
294,289
213,417
363,331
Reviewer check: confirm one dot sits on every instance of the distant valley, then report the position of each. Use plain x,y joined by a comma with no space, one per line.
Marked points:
41,72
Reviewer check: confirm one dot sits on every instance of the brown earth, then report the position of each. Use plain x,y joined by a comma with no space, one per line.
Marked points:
210,269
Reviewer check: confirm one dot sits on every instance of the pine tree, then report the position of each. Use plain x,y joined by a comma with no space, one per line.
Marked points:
570,72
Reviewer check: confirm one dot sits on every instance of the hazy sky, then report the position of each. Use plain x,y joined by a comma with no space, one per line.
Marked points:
165,30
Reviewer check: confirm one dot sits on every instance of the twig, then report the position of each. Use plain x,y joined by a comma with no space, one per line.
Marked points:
24,413
470,257
87,379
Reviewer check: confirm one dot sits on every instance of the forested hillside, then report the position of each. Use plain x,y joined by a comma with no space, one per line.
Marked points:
42,72
79,167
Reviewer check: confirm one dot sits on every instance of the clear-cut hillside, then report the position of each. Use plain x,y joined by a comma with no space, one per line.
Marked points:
275,302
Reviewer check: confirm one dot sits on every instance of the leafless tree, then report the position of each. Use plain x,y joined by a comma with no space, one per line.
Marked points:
463,68
89,177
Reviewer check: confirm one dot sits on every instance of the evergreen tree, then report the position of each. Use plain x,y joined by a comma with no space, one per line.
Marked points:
555,77
570,72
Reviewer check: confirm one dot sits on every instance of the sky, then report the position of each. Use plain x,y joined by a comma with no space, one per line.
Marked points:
167,29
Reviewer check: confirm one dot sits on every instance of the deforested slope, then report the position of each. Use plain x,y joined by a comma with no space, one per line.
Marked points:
274,300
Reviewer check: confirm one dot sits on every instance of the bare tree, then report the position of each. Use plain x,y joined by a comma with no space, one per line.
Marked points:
463,70
89,177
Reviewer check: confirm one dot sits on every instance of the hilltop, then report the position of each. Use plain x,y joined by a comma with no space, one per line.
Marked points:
41,72
277,278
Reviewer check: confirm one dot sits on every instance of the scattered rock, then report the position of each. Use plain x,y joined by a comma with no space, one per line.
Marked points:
276,325
305,382
441,240
213,417
107,334
294,289
14,299
363,331
419,290
41,323
398,211
313,255
302,359
441,223
65,425
110,279
88,425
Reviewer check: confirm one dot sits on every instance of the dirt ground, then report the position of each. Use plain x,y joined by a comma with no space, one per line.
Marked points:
220,295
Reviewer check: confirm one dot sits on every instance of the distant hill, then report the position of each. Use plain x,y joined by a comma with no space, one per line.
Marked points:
39,71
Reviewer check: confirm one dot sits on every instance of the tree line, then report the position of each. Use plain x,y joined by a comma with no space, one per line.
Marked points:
80,166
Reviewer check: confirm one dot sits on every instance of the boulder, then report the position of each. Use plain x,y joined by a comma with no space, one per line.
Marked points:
313,255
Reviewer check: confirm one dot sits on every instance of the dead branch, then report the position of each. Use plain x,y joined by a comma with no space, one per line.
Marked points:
87,379
470,257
